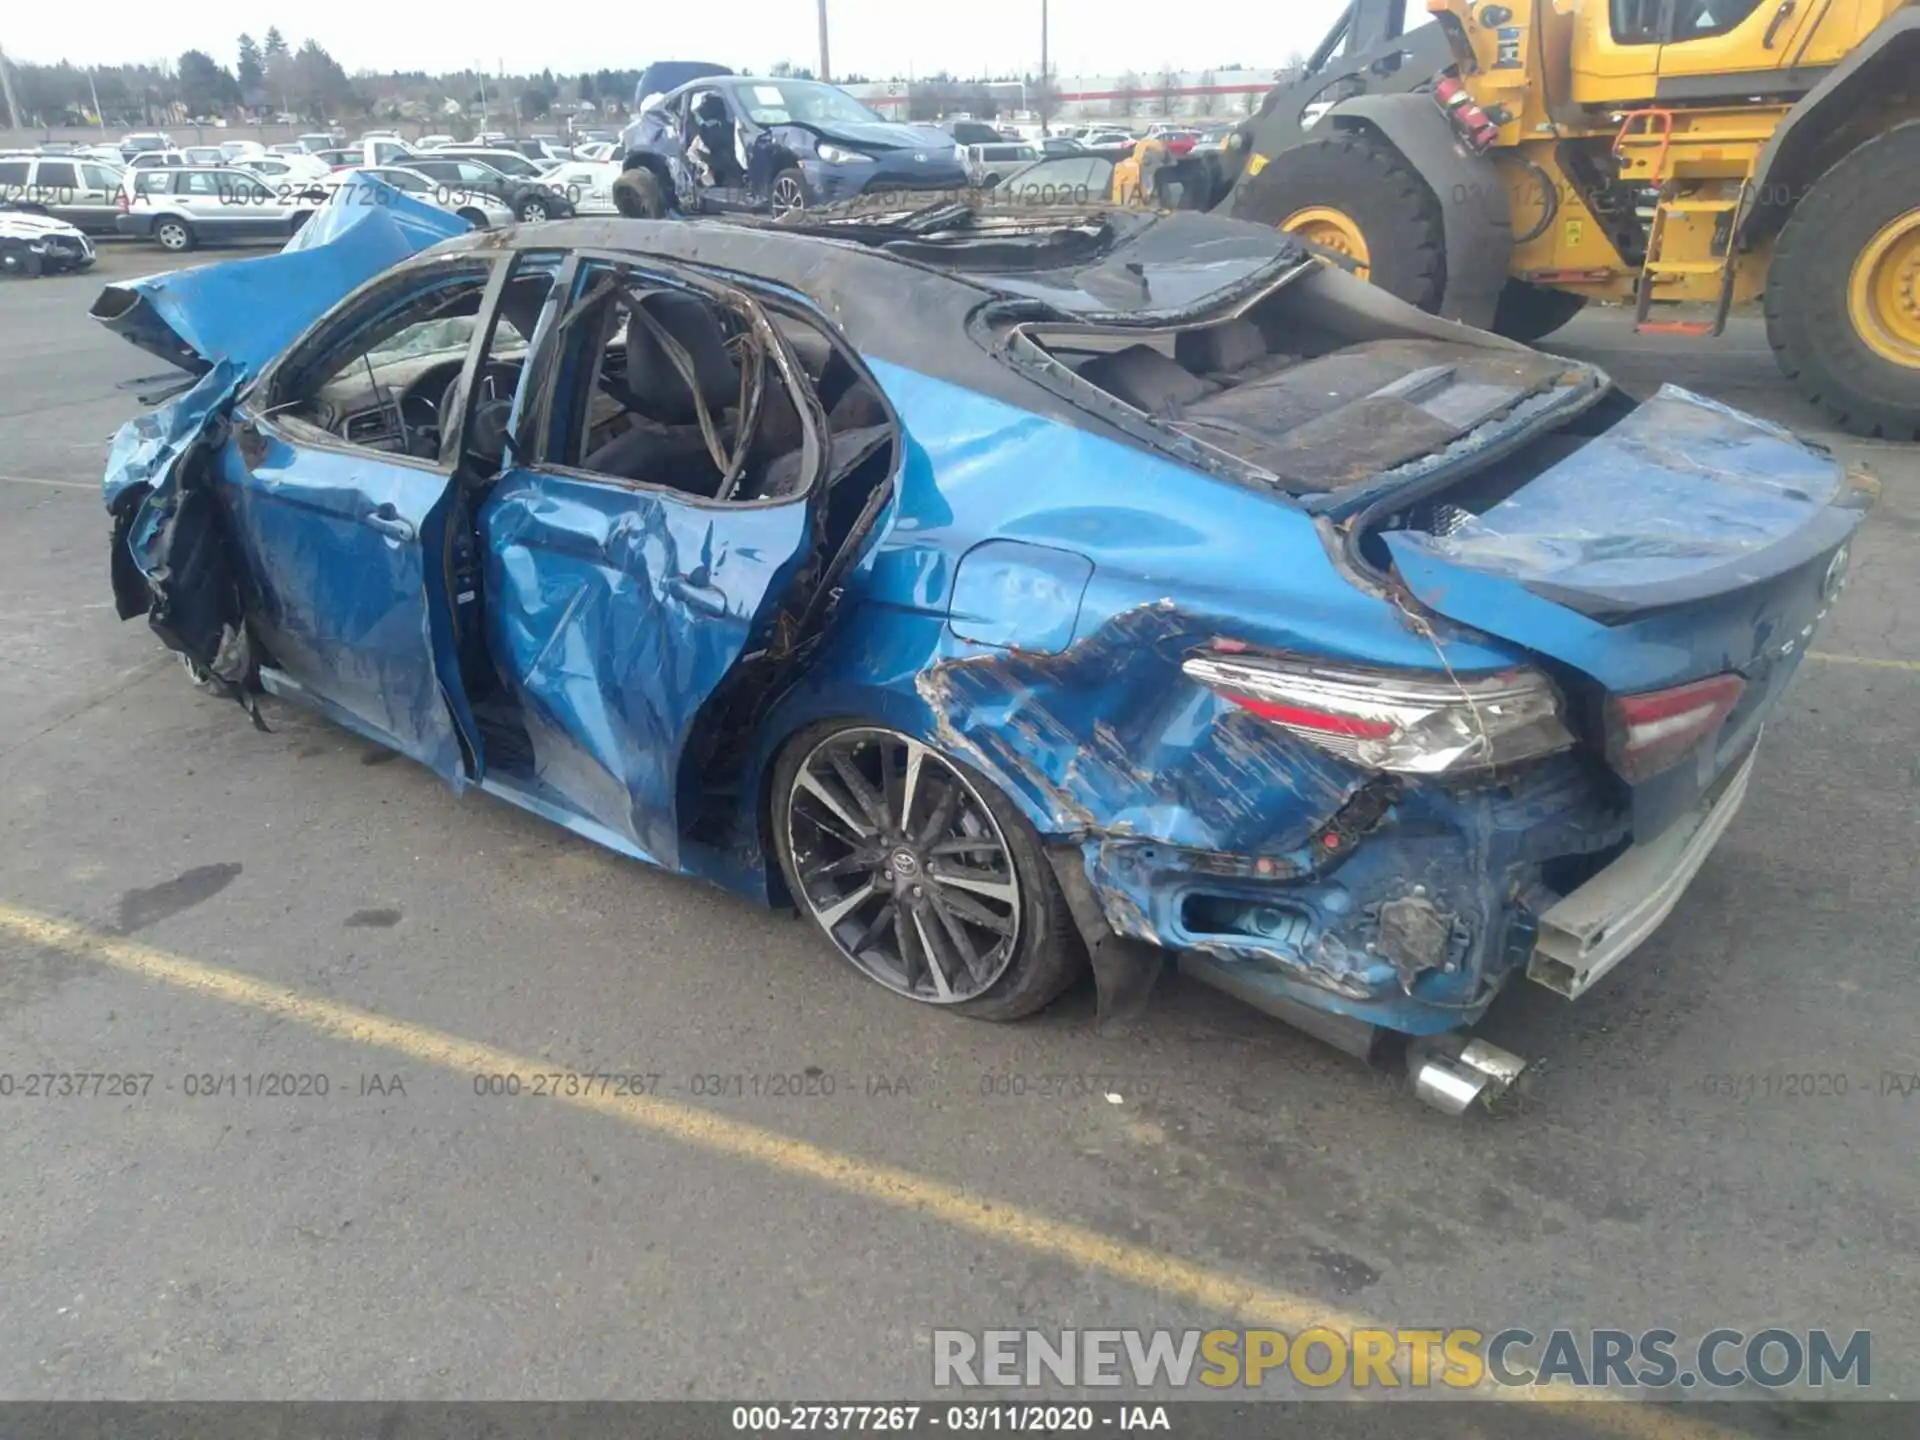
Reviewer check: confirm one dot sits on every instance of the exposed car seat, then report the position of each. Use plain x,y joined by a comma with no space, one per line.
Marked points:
655,386
1145,379
666,446
1220,349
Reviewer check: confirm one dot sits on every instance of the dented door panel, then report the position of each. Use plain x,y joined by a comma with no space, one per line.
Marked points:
614,613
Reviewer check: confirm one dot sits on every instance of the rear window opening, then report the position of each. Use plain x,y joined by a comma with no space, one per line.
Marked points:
1303,408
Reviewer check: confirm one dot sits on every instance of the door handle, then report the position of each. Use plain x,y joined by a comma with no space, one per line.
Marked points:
390,523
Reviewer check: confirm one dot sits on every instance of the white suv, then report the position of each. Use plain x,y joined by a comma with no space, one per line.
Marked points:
84,193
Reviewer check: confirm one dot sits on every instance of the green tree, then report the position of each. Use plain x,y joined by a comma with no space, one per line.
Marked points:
251,74
276,47
587,92
206,87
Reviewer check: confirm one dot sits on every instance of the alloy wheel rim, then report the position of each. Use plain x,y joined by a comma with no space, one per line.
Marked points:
536,213
172,236
1333,230
787,197
899,860
1883,295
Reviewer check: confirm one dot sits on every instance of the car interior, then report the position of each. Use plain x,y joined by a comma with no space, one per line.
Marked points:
687,391
1309,412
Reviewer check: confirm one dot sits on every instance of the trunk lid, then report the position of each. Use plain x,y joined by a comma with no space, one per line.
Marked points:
1686,542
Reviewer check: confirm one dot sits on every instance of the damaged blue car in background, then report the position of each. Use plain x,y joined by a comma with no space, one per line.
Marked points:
1006,593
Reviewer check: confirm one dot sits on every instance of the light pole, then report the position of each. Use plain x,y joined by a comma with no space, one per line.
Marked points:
6,86
826,65
1044,95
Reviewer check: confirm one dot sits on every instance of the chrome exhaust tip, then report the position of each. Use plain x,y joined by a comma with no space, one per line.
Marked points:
1450,1072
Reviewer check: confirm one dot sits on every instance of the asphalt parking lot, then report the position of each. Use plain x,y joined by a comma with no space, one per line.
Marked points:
182,896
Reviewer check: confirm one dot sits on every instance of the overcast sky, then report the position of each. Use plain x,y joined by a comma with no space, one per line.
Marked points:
876,37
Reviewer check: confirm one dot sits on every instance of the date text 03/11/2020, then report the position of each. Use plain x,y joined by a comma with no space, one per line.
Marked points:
962,1419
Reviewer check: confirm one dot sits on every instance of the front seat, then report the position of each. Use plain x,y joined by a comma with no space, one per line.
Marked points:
666,447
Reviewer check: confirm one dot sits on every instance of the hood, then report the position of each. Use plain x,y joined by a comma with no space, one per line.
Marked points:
883,135
21,224
244,312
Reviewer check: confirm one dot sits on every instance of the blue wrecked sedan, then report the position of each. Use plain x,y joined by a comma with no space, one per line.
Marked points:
1011,595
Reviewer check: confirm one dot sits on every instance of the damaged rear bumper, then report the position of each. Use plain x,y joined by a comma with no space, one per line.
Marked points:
1428,916
1589,932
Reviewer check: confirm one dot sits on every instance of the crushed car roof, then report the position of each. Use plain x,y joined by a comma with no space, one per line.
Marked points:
1124,266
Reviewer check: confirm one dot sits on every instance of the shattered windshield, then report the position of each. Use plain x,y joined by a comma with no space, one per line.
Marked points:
806,102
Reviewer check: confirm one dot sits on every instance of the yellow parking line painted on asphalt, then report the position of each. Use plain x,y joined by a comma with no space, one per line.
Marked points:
51,484
902,1189
1835,657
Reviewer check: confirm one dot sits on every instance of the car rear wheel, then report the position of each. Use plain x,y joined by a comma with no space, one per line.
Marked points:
533,210
473,217
16,259
175,235
790,192
924,877
638,195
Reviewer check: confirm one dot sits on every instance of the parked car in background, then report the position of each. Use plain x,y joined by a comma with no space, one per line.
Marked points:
1061,145
204,154
508,162
143,140
475,206
972,132
287,169
316,141
237,151
34,244
154,159
432,142
771,146
987,165
458,173
587,184
81,193
598,150
179,207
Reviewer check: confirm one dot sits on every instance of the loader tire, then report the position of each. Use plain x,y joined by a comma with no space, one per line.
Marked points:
1349,185
1843,292
1528,312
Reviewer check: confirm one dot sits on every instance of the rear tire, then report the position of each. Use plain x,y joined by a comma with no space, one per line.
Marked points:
999,898
638,195
1528,312
1814,321
474,218
533,210
1369,183
175,235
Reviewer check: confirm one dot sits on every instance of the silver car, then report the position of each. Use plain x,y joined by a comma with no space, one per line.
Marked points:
181,207
84,193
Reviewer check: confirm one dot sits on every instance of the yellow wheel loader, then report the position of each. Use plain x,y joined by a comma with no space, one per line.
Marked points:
1504,163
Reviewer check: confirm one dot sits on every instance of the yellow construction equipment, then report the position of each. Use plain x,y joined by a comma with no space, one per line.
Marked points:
1504,164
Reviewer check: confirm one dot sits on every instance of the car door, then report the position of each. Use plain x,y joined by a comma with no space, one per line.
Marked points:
199,195
636,620
256,212
339,499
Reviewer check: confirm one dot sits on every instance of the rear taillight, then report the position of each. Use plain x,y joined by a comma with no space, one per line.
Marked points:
125,207
1412,723
1656,730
